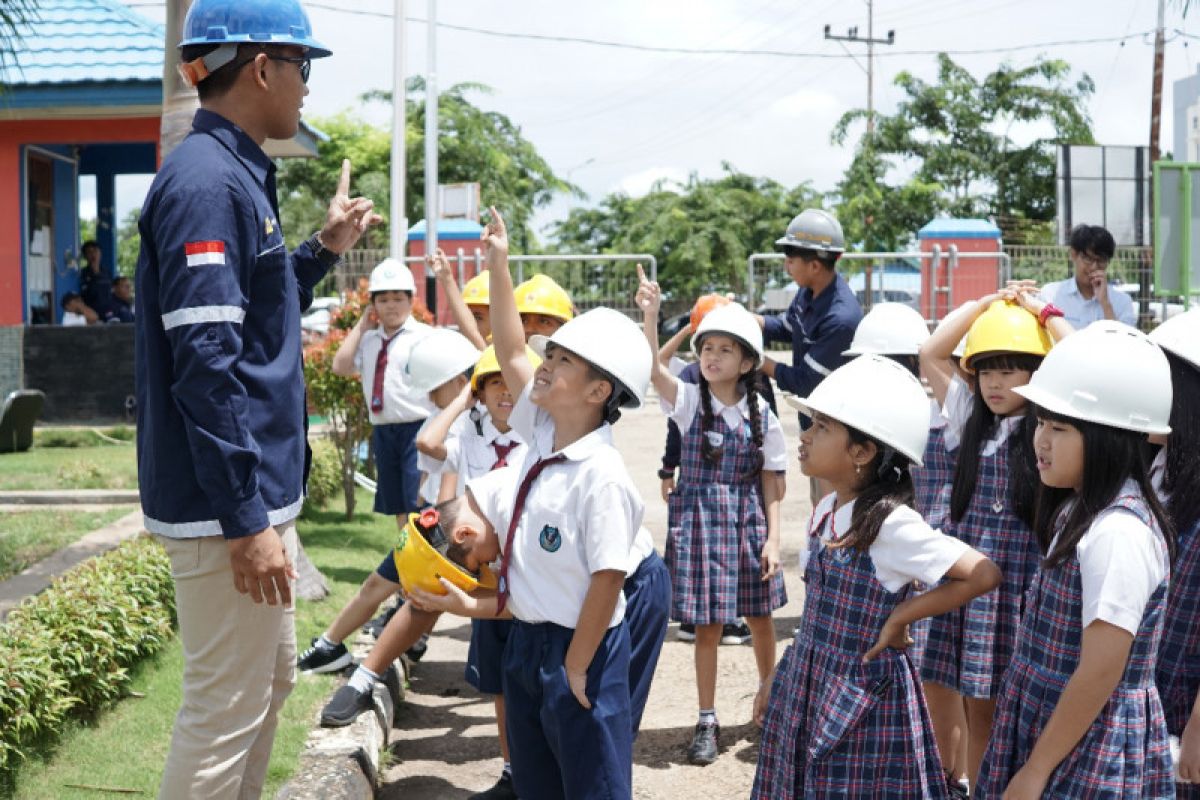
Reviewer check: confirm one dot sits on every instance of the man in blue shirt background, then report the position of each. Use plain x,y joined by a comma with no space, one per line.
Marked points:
220,389
1086,297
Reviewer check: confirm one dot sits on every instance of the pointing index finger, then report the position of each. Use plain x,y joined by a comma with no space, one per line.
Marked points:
344,181
641,273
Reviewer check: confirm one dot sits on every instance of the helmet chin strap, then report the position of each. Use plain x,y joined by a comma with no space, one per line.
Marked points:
195,71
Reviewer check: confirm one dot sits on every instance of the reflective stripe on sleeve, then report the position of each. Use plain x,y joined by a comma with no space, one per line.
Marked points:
211,527
198,314
812,362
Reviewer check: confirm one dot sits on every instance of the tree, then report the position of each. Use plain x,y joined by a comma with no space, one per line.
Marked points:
473,146
957,133
878,217
700,231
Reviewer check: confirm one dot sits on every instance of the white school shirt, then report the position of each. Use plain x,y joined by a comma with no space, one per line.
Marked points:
400,403
687,406
434,468
73,320
905,550
471,453
1121,562
581,516
957,410
494,493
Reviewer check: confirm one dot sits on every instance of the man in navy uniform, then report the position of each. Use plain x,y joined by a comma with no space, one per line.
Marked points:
220,388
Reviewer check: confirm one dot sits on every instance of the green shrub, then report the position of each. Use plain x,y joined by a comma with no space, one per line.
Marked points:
325,477
123,433
80,474
64,437
67,651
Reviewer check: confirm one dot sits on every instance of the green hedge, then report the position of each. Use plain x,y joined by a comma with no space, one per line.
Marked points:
66,652
325,476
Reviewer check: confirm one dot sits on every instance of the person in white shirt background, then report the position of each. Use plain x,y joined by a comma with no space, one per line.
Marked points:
1086,296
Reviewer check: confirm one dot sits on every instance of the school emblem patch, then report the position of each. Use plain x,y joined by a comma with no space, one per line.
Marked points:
550,539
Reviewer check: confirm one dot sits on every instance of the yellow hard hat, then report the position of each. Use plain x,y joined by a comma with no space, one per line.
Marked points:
488,364
419,563
475,291
1004,328
541,295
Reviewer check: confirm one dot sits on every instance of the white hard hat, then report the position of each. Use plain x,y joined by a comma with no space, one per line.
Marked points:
735,321
438,357
879,397
889,329
1108,373
611,342
391,276
1180,336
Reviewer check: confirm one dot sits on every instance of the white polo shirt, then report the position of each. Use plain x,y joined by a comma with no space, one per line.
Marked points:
905,550
687,406
400,403
471,453
1081,311
581,516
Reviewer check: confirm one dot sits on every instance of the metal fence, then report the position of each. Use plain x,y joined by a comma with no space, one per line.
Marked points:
1046,263
591,279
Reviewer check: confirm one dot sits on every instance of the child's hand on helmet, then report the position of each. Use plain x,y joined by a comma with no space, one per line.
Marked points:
455,601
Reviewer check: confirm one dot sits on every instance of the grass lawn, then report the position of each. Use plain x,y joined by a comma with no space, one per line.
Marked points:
126,747
27,537
90,467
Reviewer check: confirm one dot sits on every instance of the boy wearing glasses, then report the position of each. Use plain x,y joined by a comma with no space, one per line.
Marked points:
1086,297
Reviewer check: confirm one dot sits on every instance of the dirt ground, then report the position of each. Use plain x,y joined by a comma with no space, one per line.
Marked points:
444,745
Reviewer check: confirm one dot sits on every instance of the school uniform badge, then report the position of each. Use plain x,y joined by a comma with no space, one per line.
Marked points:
550,539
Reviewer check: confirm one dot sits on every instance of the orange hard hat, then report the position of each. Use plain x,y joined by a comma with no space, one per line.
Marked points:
706,304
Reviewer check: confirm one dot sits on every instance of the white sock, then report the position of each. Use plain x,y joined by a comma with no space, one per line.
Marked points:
708,716
507,769
325,643
363,680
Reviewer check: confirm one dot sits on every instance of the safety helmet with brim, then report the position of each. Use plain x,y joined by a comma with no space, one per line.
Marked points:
228,24
612,343
734,321
420,558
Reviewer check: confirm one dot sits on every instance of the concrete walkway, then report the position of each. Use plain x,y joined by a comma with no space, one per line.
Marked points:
39,576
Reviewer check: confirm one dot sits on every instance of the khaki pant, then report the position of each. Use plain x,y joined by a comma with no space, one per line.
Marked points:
239,667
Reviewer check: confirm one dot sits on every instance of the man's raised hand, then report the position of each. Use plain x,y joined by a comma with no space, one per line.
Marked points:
347,218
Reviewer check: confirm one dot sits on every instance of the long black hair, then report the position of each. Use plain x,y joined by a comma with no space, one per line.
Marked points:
748,383
981,425
1181,479
886,485
1111,456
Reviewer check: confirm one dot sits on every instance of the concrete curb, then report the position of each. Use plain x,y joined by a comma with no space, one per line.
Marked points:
344,763
39,576
109,497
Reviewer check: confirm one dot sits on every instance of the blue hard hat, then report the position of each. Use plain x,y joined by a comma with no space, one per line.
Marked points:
250,21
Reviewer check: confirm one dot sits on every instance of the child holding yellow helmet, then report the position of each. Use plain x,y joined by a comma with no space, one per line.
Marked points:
991,506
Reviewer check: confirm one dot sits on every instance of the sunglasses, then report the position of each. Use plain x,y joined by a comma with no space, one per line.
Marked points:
305,64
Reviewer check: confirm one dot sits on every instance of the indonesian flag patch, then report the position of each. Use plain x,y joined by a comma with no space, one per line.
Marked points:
200,254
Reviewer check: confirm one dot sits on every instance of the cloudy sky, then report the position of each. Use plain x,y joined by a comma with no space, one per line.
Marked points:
617,118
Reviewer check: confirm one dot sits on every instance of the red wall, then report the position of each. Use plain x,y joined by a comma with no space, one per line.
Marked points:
23,132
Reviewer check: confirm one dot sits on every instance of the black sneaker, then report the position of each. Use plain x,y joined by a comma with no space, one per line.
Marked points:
735,633
703,749
417,651
503,790
376,626
345,706
687,632
323,659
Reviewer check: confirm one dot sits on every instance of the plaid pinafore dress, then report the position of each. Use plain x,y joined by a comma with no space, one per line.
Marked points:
1178,671
969,648
717,529
836,727
931,498
1124,754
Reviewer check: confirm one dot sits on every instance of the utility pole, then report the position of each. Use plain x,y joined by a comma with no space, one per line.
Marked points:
1145,317
179,99
398,216
870,41
431,157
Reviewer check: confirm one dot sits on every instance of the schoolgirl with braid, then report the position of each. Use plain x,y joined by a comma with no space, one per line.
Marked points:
723,526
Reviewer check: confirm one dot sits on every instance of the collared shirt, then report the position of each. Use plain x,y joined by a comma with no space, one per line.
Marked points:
819,329
220,390
581,516
400,403
1081,311
905,550
472,452
687,405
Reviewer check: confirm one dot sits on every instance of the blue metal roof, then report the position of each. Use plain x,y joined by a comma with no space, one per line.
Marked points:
85,41
959,229
447,229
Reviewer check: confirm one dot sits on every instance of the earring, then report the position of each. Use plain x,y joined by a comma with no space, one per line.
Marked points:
858,469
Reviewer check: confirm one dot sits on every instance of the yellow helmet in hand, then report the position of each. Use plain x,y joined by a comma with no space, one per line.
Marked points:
1004,328
420,558
541,295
